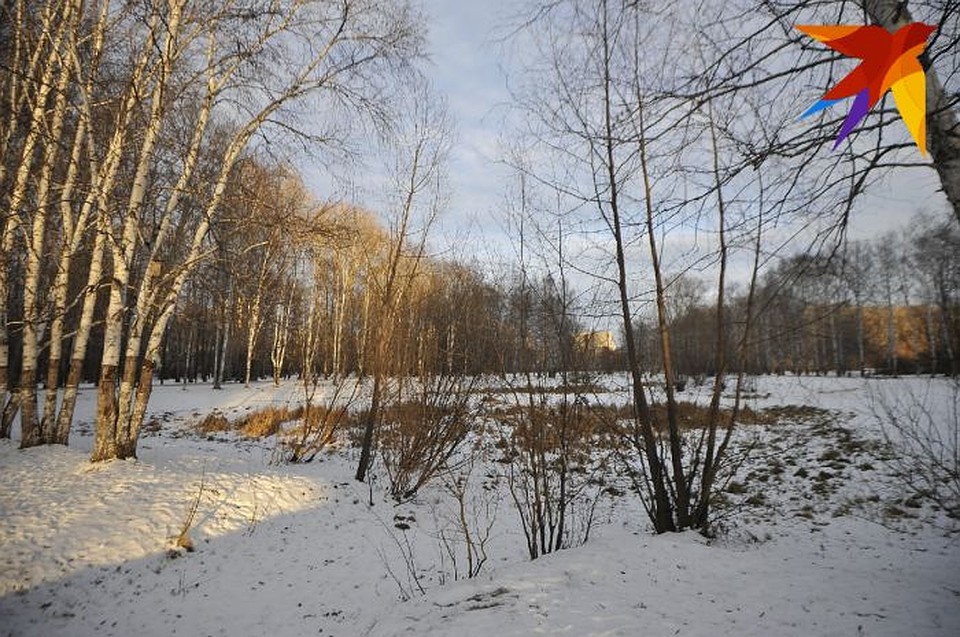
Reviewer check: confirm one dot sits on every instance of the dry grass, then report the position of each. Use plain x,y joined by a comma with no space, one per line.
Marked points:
584,388
257,424
214,422
264,422
314,430
598,418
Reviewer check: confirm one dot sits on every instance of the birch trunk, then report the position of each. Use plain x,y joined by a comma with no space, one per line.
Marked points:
103,178
73,231
38,123
253,328
112,410
223,348
281,334
67,245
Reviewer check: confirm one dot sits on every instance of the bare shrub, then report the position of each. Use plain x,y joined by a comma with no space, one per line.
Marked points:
183,541
418,437
554,470
319,424
923,432
465,537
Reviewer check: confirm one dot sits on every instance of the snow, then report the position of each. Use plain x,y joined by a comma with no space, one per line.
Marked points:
847,581
298,550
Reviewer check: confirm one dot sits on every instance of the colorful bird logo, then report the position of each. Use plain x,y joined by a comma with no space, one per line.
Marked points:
890,61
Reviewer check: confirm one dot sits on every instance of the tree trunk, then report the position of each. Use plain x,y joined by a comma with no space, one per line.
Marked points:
74,231
891,337
59,25
105,440
223,347
661,511
860,336
80,341
373,414
281,330
252,330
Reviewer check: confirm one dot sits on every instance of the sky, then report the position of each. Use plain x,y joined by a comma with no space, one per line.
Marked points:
466,64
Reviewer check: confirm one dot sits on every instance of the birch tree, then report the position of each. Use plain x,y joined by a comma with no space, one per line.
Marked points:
143,149
341,52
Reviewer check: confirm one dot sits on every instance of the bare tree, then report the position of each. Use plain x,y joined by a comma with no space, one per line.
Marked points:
603,110
420,146
759,54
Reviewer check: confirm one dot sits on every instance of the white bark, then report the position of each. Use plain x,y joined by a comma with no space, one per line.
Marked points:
111,437
41,123
281,336
121,408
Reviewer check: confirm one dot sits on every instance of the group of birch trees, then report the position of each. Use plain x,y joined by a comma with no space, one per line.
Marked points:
124,129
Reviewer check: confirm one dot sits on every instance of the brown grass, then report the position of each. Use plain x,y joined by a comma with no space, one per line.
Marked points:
321,418
214,422
587,388
595,418
264,422
257,424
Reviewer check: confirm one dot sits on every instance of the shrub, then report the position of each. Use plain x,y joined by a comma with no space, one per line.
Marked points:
418,437
554,476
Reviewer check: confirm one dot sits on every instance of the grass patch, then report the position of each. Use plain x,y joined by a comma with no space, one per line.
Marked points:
736,488
256,424
264,422
214,422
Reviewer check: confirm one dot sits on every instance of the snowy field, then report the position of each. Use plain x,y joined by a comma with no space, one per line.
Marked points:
819,538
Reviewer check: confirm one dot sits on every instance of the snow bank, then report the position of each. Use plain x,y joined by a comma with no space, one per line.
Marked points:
61,513
849,579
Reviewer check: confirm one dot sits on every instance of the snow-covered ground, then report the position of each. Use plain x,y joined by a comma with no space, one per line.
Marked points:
819,540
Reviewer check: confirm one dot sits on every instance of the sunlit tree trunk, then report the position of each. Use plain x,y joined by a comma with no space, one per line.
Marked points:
57,27
112,439
281,335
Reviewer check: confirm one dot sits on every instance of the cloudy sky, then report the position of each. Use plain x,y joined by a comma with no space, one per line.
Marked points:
467,65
